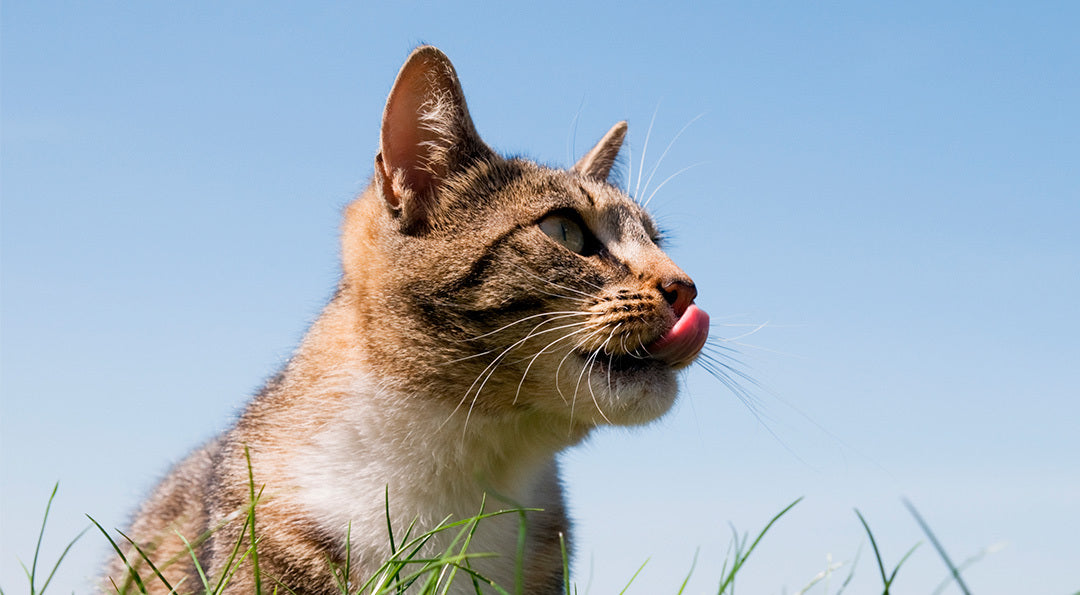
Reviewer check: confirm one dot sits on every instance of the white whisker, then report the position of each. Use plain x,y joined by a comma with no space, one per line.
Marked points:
668,179
555,316
588,296
656,165
644,148
596,354
592,392
558,369
610,390
538,354
571,138
490,369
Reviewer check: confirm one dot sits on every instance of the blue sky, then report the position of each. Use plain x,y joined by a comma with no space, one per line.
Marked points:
892,191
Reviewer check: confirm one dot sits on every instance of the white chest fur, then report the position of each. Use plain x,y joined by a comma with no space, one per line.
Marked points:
421,459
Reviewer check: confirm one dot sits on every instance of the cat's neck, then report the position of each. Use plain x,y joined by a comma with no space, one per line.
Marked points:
348,406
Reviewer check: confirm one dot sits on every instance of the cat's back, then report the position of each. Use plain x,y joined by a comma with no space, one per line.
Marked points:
176,506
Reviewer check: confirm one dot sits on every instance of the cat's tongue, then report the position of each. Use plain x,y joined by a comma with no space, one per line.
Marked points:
679,345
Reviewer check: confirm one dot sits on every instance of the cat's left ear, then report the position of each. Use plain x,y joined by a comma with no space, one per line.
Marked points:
598,161
427,135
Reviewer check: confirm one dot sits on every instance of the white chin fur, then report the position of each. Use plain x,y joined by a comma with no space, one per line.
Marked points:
626,398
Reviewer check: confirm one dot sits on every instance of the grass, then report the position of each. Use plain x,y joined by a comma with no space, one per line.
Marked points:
408,569
31,572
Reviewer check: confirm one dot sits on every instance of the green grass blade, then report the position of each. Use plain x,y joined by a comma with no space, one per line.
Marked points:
458,562
633,578
892,576
254,550
41,535
741,557
348,556
970,562
565,564
693,564
26,571
937,545
195,560
282,586
470,531
147,560
877,553
229,566
132,574
377,582
233,570
389,525
56,566
427,566
519,563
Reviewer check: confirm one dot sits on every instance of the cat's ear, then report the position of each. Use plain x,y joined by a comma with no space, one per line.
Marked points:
598,161
427,134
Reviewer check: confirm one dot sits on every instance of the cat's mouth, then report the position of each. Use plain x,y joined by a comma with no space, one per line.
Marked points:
677,348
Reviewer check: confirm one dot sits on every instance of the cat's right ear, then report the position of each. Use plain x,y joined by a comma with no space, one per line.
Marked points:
427,134
598,161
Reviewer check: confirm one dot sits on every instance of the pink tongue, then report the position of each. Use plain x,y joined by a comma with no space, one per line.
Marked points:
684,340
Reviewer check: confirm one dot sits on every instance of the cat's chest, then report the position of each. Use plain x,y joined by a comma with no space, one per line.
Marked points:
369,467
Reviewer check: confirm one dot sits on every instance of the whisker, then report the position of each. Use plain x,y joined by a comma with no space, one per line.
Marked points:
644,148
717,344
641,348
585,368
555,316
617,327
538,354
591,391
714,352
755,329
603,347
752,405
731,369
571,139
531,334
490,351
656,165
572,298
490,369
669,178
558,369
593,285
589,296
721,373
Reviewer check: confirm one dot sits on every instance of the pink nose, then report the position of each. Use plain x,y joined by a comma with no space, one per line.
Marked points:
680,293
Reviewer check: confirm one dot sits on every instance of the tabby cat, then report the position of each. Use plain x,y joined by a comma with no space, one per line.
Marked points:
491,312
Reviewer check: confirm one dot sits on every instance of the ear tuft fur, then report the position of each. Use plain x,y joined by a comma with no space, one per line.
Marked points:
427,134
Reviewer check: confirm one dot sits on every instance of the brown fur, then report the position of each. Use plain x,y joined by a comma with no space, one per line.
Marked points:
438,371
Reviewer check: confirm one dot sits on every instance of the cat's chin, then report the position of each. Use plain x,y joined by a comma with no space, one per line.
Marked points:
627,391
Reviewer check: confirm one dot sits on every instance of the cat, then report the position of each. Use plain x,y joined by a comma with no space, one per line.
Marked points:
491,312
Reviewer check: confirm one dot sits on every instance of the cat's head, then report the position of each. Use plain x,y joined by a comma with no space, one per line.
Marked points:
499,284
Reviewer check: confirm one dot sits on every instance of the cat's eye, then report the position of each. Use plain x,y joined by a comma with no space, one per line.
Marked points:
565,231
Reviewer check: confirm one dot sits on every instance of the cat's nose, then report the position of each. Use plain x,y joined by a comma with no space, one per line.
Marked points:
679,292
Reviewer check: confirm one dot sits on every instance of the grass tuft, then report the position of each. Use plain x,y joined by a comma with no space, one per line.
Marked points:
31,573
727,582
411,567
887,580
